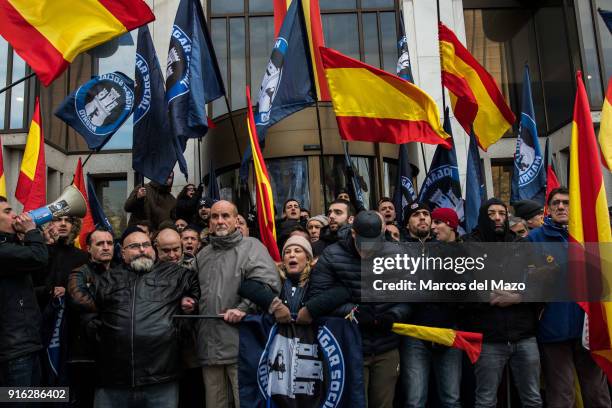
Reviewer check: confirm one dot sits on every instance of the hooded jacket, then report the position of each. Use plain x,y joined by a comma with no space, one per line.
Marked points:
20,316
156,206
222,266
137,338
561,321
340,267
499,324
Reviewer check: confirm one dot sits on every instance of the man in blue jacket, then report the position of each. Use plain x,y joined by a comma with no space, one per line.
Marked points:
560,329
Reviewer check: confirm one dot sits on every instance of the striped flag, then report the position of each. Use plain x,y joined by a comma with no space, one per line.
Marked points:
605,129
476,100
50,34
88,224
589,226
31,188
469,342
314,30
265,200
2,177
372,105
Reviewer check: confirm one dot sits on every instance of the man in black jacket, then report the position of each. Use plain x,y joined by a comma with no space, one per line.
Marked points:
20,317
138,356
508,326
339,267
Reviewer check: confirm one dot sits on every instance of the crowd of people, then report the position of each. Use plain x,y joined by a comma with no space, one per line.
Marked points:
129,341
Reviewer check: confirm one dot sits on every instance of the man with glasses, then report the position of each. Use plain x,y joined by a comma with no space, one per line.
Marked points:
561,325
138,351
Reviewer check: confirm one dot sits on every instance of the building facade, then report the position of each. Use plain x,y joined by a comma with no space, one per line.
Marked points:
304,153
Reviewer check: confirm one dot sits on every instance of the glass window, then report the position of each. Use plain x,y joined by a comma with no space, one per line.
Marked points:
17,93
261,42
112,194
605,39
121,60
501,172
340,31
388,41
334,177
370,39
229,185
3,81
289,179
227,6
219,39
259,6
336,4
376,3
389,178
238,65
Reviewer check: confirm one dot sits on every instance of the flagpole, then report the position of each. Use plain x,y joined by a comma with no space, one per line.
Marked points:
200,158
6,88
441,81
321,167
229,110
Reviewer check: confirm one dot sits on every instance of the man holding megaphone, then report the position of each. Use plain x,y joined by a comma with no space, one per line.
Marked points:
20,319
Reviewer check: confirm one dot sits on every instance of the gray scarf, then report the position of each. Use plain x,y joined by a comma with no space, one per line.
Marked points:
226,242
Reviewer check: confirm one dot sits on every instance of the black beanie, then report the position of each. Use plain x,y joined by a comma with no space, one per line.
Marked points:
527,209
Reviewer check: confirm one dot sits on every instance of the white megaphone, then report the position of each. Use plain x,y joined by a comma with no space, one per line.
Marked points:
70,203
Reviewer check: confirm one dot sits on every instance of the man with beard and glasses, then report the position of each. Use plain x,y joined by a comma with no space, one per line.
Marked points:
508,326
229,260
138,356
81,362
153,202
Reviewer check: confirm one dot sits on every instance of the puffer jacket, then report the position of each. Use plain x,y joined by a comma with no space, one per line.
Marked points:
222,267
561,321
340,266
137,339
156,206
19,313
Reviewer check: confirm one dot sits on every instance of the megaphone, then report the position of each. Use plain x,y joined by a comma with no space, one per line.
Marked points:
70,203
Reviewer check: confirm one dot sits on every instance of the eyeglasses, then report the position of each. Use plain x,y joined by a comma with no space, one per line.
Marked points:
556,203
138,245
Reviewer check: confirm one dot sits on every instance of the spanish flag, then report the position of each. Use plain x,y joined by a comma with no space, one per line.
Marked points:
589,223
49,34
477,102
314,28
372,105
265,200
88,224
2,178
605,129
31,188
469,342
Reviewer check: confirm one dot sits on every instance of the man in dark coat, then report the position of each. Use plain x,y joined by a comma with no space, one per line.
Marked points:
508,326
335,289
20,317
153,202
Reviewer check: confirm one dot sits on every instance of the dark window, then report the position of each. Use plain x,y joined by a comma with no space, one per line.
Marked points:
334,177
111,194
503,39
501,172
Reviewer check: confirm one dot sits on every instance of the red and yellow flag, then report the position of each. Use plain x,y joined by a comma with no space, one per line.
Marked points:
372,105
314,31
49,34
589,223
605,129
88,224
469,342
31,188
264,197
477,102
2,178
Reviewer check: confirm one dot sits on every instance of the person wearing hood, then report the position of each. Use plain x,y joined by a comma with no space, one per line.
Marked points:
531,211
152,201
223,266
561,325
335,289
187,202
508,326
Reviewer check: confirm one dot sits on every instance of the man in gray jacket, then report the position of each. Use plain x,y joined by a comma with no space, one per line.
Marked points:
223,265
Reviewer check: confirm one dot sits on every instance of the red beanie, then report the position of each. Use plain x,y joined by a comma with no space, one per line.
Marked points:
446,215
